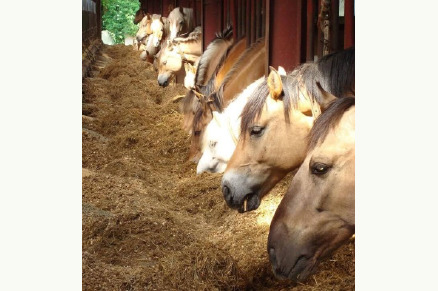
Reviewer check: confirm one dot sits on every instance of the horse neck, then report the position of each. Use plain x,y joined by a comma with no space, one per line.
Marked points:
249,68
212,58
234,53
190,45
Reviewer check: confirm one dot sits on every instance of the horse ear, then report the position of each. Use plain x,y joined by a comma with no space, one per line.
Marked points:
186,68
181,10
274,84
281,71
327,96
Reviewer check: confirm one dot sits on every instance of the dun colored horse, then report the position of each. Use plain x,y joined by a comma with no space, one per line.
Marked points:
247,67
159,28
316,215
171,57
208,64
144,29
181,21
221,134
276,122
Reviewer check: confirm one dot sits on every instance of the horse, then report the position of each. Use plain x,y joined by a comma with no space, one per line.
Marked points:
149,50
221,134
144,29
171,57
160,29
189,79
209,62
316,215
152,43
275,124
181,21
247,67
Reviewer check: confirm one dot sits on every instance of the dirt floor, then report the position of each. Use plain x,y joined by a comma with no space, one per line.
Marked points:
148,221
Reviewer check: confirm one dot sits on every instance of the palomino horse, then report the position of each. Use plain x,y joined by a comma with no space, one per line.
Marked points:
316,214
247,67
159,29
144,29
221,134
209,62
171,57
189,79
181,21
275,124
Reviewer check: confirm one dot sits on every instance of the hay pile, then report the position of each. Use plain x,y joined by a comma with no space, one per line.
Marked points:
149,222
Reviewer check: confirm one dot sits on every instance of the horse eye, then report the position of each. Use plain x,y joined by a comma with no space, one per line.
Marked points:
320,168
165,62
197,132
213,143
181,22
257,131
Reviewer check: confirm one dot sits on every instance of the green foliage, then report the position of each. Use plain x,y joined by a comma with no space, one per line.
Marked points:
118,17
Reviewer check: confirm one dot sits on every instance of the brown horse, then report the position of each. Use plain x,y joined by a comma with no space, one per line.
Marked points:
276,122
181,21
316,215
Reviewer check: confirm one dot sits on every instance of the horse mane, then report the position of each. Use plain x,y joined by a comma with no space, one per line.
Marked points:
212,50
241,61
334,73
194,36
201,73
190,18
328,120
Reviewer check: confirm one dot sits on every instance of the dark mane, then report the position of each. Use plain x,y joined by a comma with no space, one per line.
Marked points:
328,120
334,73
194,36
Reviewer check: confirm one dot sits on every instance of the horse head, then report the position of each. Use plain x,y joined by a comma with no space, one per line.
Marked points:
144,29
275,125
316,214
181,21
169,61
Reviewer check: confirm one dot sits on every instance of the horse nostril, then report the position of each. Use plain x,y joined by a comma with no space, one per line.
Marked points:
226,191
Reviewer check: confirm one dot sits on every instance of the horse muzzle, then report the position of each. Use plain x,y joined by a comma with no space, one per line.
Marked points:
238,195
163,80
289,259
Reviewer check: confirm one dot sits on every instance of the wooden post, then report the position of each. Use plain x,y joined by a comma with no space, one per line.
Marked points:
349,23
